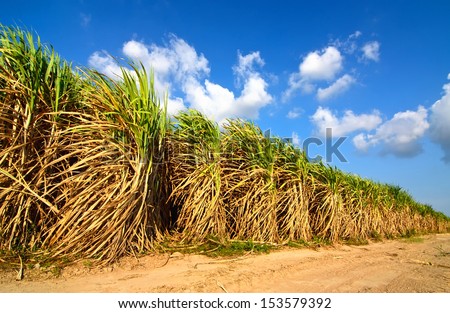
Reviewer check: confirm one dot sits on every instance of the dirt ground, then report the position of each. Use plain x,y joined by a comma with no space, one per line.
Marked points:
405,265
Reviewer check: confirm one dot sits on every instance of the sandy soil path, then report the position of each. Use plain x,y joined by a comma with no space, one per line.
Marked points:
391,266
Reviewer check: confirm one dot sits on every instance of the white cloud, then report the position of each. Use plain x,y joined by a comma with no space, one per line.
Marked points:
296,82
323,118
339,86
440,122
136,50
325,66
348,45
371,51
172,64
294,113
210,98
245,65
316,66
220,103
106,64
175,105
356,34
399,136
253,97
180,70
361,143
320,68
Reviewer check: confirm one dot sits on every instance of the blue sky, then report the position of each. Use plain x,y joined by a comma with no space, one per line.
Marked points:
376,72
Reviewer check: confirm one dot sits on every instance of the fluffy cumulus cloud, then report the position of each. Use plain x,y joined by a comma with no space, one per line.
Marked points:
246,65
399,136
321,66
220,103
350,122
440,122
175,105
318,70
316,66
339,86
179,69
172,64
371,51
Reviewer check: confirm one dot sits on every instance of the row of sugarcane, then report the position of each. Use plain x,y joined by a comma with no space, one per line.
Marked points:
92,166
